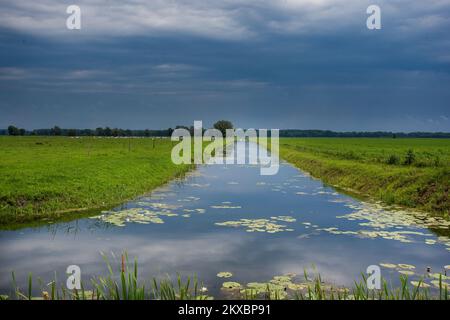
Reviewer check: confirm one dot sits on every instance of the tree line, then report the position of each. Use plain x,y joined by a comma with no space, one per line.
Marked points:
294,133
221,125
12,130
100,132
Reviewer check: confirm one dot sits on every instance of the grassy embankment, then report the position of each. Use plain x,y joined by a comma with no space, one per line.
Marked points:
409,172
49,178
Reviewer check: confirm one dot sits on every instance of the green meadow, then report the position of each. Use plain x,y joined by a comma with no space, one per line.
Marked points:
414,173
48,178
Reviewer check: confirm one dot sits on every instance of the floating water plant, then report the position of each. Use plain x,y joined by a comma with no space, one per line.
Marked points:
225,206
402,236
438,276
420,284
158,205
440,284
284,218
230,285
388,265
133,215
194,210
224,274
379,217
259,225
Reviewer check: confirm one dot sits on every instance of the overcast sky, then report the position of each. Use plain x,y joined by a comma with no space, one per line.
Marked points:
306,64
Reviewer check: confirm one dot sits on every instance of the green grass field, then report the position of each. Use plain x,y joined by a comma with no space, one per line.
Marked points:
410,172
52,177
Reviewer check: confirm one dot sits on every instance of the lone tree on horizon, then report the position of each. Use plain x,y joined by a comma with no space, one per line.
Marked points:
222,126
13,130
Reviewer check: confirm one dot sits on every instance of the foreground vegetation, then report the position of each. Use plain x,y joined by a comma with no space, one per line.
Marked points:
409,172
47,178
122,284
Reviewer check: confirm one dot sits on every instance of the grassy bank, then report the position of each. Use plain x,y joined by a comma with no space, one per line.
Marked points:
409,172
50,177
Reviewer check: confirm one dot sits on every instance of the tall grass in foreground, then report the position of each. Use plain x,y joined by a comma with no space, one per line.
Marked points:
360,291
124,285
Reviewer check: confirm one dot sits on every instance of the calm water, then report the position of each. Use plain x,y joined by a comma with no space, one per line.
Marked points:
192,243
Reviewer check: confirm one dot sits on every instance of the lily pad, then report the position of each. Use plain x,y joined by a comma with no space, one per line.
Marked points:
230,285
256,225
297,286
204,297
439,284
265,286
406,272
224,274
284,218
388,265
380,217
136,215
438,276
226,207
281,280
420,284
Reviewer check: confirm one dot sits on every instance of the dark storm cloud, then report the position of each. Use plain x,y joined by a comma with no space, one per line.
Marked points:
288,64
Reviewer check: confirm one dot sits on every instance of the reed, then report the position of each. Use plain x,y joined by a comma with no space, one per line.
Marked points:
123,284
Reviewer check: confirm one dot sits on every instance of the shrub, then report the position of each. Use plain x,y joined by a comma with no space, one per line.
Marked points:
410,157
393,159
437,161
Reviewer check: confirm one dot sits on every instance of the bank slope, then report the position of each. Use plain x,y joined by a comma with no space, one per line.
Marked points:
367,173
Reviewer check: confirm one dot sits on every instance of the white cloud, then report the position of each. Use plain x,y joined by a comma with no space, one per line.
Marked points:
12,73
